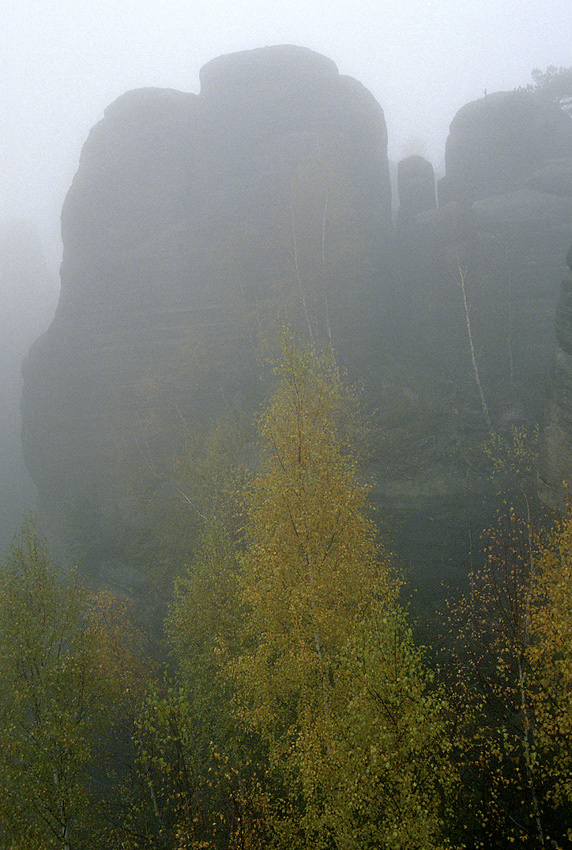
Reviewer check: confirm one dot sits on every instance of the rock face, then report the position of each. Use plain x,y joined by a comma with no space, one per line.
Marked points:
555,468
416,188
511,153
505,221
496,143
482,270
193,223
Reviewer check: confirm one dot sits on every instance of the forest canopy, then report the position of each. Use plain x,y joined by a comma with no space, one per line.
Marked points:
295,706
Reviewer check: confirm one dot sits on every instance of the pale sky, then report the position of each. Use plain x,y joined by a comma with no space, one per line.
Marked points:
63,61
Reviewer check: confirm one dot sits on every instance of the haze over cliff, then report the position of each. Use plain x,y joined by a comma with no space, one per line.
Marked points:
28,297
196,224
64,62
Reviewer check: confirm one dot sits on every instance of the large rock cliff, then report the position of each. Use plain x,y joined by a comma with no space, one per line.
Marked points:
479,281
497,143
498,240
194,224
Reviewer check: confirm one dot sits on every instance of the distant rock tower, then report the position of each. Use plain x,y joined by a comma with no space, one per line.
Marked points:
416,188
497,142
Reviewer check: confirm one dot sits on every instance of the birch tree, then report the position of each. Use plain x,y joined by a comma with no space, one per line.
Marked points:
321,603
493,687
551,627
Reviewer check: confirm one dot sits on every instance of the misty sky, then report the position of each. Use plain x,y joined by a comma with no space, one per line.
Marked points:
63,61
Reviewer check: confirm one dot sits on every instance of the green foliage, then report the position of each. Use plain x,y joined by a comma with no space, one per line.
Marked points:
56,703
311,562
555,83
513,456
180,794
302,713
389,770
512,691
324,643
551,628
203,627
491,688
164,747
315,723
200,490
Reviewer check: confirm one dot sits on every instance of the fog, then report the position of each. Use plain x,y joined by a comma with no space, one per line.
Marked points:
64,61
27,301
299,553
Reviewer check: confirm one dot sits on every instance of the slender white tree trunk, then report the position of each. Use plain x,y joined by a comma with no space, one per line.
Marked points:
462,282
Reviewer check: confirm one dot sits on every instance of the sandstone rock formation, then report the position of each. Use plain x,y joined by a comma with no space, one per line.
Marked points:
505,221
553,178
497,142
416,188
555,468
479,276
511,153
193,224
